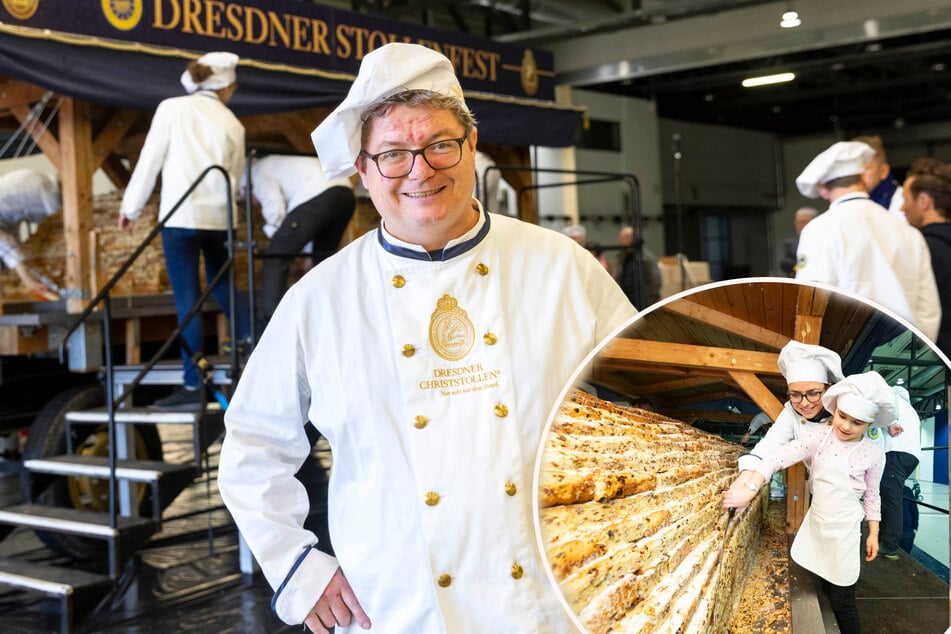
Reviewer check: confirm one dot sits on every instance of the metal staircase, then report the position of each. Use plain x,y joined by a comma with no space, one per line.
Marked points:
143,488
93,480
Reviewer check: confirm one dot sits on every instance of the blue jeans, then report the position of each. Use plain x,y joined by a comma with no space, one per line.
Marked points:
183,247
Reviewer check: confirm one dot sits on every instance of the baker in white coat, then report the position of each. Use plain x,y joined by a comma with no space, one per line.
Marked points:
856,247
300,206
809,370
846,471
190,134
429,356
901,442
26,195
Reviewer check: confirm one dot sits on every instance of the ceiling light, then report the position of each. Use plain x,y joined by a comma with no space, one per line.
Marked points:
790,20
766,80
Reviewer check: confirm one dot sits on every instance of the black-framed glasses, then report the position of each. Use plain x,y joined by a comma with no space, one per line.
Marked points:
811,396
439,155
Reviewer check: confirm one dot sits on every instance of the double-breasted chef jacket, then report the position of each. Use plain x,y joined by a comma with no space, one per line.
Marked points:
432,381
859,247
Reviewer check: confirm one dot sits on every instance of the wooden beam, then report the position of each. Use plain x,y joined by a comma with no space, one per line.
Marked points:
44,138
725,416
116,171
619,352
111,134
15,340
75,128
759,393
727,323
713,396
677,384
811,306
14,92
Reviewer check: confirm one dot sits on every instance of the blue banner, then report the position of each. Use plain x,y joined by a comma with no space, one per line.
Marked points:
289,33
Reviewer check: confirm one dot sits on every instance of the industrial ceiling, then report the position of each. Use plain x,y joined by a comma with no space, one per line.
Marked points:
859,66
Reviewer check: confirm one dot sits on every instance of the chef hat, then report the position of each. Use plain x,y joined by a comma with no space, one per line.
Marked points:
808,362
222,65
845,158
902,393
390,69
577,232
865,396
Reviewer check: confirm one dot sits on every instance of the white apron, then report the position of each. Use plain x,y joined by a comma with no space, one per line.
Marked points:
826,541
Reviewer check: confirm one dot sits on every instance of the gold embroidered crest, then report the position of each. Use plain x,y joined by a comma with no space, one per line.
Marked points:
451,333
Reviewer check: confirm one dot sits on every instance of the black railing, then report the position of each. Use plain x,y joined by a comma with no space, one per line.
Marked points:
103,297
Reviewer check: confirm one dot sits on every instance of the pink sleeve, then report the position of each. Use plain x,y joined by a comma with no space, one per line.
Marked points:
789,454
872,499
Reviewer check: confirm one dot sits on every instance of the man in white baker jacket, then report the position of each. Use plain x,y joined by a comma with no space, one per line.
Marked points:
429,353
901,442
300,207
859,247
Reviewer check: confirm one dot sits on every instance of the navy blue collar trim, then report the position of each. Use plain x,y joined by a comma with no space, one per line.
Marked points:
439,255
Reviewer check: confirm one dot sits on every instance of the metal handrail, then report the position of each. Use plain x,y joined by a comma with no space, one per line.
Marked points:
587,177
104,297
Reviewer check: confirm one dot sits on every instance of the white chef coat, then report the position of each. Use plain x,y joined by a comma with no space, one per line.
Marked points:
188,135
909,440
432,382
857,247
25,195
790,425
282,183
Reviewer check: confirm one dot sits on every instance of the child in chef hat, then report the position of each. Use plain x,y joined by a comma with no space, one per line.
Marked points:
847,469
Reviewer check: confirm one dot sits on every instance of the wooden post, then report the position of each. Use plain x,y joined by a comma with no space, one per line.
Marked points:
133,341
811,304
76,169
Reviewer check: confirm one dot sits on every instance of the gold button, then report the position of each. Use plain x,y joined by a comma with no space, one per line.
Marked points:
501,411
489,338
510,488
802,421
482,269
421,422
517,571
432,499
399,281
409,350
444,581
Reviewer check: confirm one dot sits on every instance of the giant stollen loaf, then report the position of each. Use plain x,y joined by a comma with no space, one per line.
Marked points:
632,523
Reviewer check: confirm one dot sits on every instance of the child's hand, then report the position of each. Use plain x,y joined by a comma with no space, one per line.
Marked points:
871,547
738,496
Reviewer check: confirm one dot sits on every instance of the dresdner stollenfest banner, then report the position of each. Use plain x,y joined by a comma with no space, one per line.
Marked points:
294,55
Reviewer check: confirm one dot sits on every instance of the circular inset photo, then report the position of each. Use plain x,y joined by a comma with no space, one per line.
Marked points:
744,456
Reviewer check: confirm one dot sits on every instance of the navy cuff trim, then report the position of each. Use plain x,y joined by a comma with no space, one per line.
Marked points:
300,560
